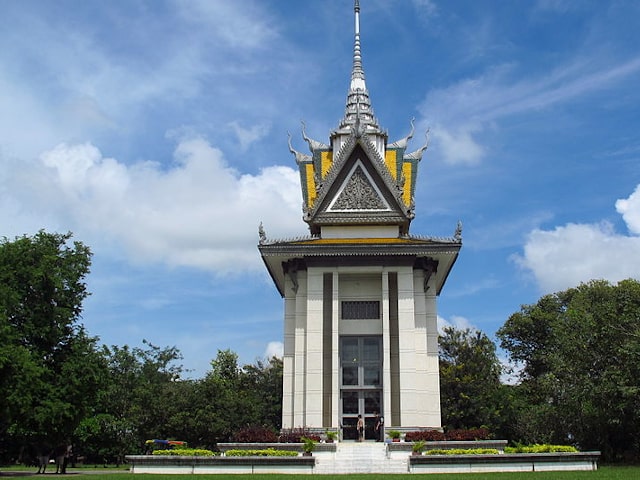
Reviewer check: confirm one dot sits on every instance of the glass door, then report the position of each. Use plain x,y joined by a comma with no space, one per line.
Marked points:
360,384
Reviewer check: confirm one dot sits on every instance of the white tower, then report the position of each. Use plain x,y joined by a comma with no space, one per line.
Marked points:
360,320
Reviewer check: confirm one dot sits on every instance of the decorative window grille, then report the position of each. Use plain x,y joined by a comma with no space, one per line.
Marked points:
360,310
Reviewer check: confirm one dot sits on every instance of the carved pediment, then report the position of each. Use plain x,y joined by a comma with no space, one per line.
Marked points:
358,193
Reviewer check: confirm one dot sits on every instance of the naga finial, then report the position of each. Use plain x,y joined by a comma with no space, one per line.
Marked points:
300,157
313,144
261,234
417,155
458,233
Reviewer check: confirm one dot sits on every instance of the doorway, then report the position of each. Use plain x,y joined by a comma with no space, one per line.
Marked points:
360,384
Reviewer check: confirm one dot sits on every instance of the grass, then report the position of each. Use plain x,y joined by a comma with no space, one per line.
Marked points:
603,473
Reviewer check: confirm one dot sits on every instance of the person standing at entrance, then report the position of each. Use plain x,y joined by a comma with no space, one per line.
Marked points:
378,427
360,428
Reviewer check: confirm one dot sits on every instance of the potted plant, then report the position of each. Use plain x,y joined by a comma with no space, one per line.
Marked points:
418,447
331,436
308,445
394,435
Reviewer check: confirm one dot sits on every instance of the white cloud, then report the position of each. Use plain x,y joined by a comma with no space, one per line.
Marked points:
629,208
243,24
426,8
462,112
568,255
274,349
199,212
248,136
456,321
458,146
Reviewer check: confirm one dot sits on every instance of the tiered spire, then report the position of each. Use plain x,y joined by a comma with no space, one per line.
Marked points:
358,113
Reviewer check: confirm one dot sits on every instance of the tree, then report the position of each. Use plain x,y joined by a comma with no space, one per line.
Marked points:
139,400
470,386
263,383
49,367
580,353
224,404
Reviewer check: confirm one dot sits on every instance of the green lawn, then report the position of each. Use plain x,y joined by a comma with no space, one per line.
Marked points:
604,473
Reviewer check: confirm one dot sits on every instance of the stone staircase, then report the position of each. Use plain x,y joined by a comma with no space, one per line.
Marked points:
356,457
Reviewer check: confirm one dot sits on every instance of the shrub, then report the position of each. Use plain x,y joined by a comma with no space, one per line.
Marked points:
418,446
468,435
463,451
295,435
454,435
254,434
331,435
267,452
541,449
394,433
308,444
424,435
186,452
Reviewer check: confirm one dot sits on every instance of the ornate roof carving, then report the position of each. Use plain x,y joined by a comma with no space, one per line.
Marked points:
358,193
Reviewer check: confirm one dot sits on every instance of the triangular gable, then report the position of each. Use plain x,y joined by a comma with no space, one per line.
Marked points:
358,193
358,189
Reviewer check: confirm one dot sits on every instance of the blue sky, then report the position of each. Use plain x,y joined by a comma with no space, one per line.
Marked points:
156,131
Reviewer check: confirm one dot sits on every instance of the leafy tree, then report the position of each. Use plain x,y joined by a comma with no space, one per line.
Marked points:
231,397
137,401
580,353
49,367
263,383
470,386
225,405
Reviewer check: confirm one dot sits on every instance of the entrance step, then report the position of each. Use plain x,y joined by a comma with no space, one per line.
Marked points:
360,457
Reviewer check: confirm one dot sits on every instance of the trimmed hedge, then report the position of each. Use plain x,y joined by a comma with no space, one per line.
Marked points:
455,435
463,451
254,434
186,452
267,452
296,435
541,449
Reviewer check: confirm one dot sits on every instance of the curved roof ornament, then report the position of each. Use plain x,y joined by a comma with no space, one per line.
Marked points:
313,144
403,142
417,155
300,157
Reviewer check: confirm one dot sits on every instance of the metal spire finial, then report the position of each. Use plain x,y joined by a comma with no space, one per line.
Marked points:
357,74
358,101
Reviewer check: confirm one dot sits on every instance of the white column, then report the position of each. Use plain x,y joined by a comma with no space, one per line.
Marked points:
386,350
422,418
432,400
288,367
406,348
313,391
300,351
335,354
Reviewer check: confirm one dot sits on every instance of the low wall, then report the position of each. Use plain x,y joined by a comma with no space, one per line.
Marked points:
170,464
396,453
517,462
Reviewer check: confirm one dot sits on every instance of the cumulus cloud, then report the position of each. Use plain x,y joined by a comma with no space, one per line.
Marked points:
198,212
274,349
568,255
629,208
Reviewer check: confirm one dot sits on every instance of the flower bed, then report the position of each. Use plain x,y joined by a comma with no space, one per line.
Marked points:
267,452
463,451
186,452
